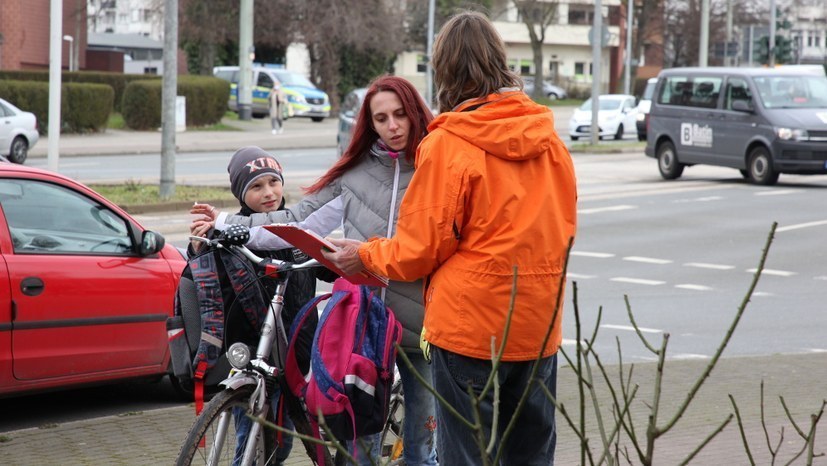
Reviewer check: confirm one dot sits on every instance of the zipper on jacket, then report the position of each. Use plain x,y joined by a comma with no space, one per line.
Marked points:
392,212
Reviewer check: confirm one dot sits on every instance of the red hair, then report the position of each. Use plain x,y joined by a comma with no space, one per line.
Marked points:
364,135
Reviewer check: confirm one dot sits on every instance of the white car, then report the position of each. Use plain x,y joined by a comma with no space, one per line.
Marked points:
616,117
18,132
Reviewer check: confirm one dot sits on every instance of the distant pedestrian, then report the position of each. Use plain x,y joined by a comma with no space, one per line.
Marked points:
277,100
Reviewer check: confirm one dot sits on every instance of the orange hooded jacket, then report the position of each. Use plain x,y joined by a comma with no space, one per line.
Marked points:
493,190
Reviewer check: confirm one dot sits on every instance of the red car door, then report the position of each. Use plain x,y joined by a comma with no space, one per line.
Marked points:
84,304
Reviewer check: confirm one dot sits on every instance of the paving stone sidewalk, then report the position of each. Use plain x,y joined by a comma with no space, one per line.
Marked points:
154,437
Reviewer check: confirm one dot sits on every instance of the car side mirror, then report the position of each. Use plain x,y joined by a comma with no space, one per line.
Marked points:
741,106
151,243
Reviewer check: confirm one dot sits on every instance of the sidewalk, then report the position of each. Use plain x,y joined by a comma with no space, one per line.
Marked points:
298,133
154,437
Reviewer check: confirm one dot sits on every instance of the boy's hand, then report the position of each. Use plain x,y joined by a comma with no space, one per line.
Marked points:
200,227
204,209
347,257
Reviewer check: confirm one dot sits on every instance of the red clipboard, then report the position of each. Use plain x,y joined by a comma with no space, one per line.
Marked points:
313,244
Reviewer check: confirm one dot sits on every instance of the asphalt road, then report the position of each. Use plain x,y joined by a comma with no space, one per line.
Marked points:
683,252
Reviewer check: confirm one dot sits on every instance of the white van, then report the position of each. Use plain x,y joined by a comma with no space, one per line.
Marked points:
303,98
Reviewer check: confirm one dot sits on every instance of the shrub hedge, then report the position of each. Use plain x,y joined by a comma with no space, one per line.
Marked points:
83,107
206,101
117,81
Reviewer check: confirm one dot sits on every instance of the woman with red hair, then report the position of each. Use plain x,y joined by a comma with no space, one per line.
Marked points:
363,191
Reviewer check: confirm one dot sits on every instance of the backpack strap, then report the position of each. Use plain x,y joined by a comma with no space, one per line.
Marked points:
320,372
211,305
249,297
296,380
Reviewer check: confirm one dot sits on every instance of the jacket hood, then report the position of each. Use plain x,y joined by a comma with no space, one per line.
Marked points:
507,125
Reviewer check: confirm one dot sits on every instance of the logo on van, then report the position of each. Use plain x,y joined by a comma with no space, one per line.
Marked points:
693,134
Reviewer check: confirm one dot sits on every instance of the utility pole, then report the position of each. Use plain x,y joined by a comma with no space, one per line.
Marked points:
597,53
429,67
727,59
771,52
244,96
169,93
55,78
629,20
703,49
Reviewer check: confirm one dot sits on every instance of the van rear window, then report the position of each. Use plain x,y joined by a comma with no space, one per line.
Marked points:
695,91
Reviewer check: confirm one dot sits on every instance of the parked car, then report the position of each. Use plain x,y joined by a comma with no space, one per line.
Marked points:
303,98
643,107
87,289
549,90
347,117
759,121
616,117
18,132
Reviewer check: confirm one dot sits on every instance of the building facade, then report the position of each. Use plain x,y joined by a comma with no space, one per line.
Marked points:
809,31
141,17
24,34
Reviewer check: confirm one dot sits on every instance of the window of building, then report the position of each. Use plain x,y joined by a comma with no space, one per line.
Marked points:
421,63
810,40
579,67
581,14
526,67
817,41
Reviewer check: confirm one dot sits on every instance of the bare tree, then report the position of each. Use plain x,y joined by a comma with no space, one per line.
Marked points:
206,25
537,15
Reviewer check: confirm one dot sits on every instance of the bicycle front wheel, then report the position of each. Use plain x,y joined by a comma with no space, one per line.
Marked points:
213,438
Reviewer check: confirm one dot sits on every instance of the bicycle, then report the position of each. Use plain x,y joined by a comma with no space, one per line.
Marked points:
212,438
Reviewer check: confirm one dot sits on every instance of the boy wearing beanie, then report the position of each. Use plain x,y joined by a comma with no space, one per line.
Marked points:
256,180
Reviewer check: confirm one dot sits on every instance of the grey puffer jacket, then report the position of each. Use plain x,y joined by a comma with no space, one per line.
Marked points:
367,191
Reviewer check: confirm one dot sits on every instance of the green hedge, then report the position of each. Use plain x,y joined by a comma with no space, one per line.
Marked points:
206,101
117,81
83,107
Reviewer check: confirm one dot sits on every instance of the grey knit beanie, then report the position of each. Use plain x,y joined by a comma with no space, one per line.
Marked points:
249,164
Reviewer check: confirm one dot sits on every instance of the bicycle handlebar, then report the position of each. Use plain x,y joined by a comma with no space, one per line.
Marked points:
234,244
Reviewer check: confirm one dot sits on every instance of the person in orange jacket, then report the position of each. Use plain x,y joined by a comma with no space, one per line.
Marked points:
491,209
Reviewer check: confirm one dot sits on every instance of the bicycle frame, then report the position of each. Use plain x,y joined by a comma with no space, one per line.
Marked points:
272,342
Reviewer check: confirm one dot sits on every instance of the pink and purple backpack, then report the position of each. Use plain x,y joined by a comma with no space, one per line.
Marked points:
347,374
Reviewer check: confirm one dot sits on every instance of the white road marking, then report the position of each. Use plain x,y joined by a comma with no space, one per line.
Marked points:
699,199
821,277
597,210
704,265
801,225
631,329
599,255
579,275
818,350
780,273
689,286
690,356
764,294
637,281
648,260
776,193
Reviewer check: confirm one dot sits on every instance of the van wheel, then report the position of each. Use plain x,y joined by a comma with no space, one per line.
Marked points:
668,164
760,167
317,119
619,133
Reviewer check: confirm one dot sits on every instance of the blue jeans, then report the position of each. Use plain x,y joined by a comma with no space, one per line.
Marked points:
244,423
531,442
418,429
419,424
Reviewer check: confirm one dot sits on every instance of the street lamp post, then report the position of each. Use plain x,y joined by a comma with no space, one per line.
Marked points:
71,41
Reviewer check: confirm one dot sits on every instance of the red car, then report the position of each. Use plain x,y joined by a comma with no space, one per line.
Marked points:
84,289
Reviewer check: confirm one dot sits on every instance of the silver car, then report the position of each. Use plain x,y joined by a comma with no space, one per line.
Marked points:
347,117
18,132
549,90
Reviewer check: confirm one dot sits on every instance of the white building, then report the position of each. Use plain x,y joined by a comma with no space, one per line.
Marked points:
142,17
809,30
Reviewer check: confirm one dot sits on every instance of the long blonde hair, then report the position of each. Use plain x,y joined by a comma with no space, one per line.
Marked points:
469,60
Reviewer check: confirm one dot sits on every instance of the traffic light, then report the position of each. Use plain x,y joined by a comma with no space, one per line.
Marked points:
761,50
783,50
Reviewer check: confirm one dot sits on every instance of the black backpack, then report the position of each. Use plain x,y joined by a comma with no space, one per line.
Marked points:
218,301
